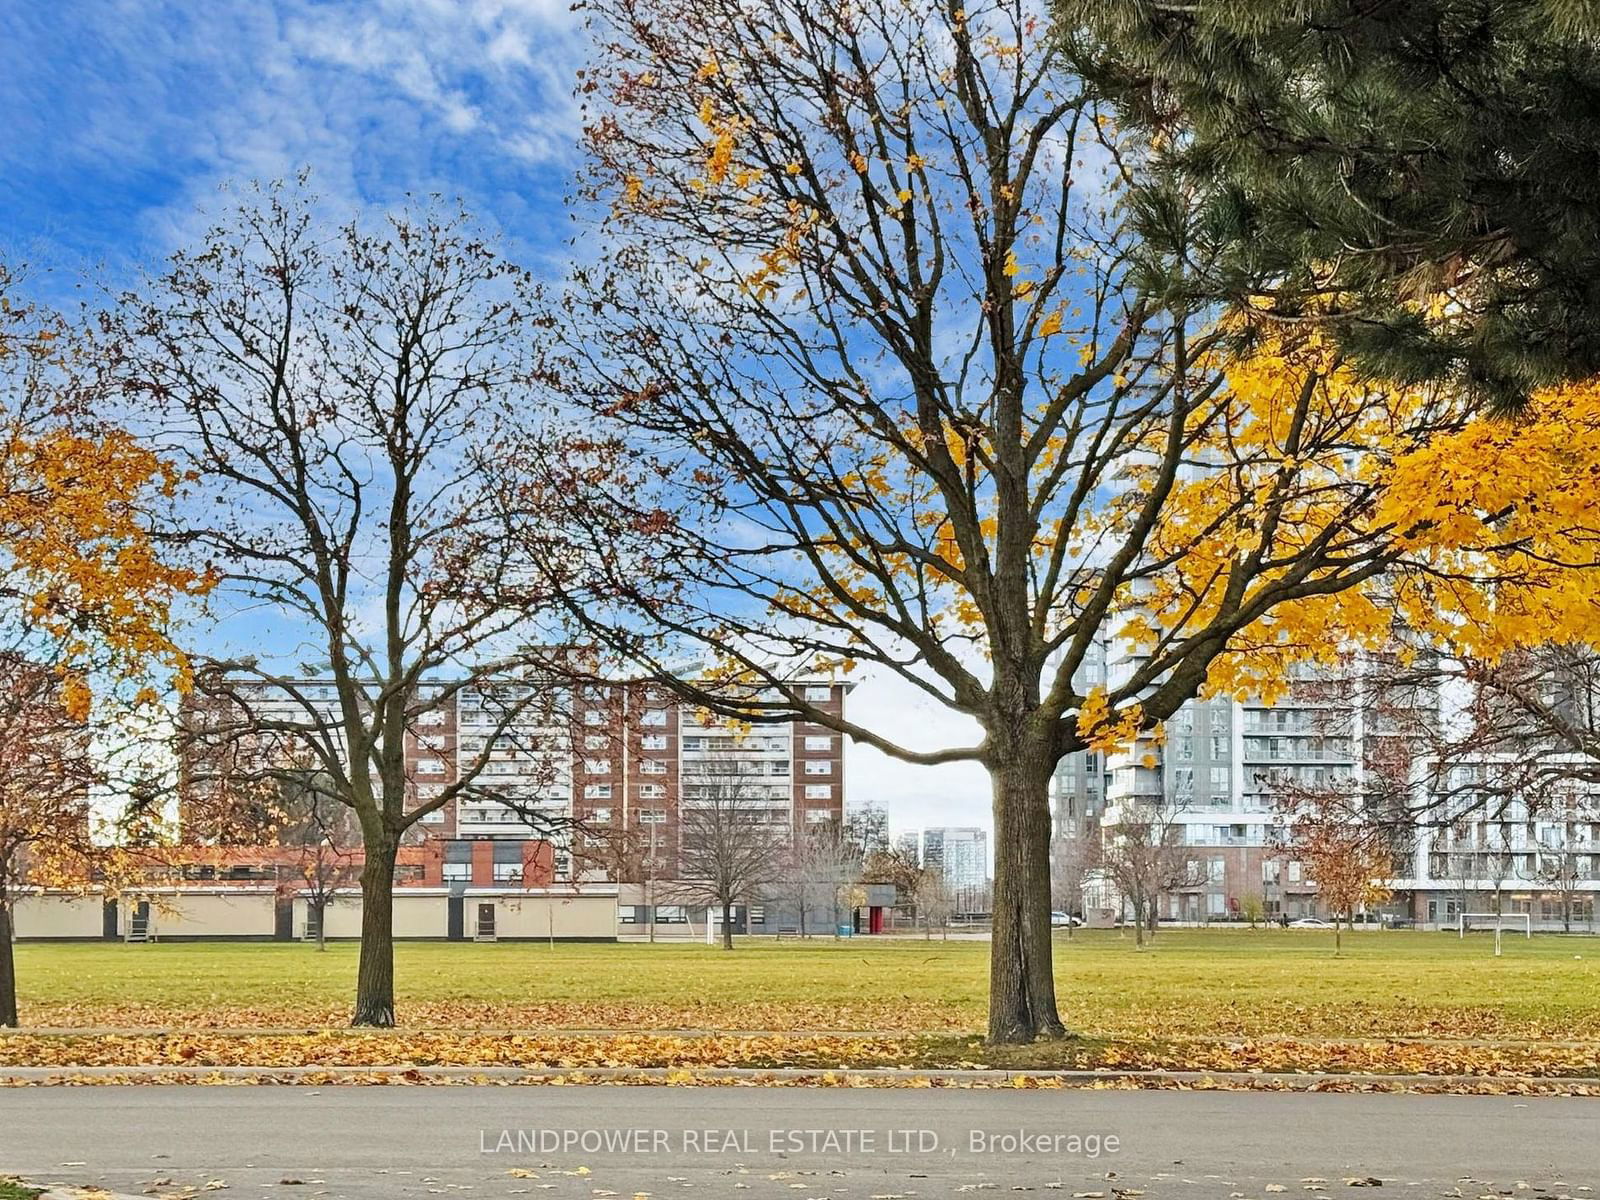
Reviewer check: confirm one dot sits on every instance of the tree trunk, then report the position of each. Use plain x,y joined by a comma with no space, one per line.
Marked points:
375,974
1338,934
322,926
727,925
1022,986
8,970
1138,924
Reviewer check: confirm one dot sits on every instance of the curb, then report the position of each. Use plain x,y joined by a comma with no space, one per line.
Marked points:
798,1075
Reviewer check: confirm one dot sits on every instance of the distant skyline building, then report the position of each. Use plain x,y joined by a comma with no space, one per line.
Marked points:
960,853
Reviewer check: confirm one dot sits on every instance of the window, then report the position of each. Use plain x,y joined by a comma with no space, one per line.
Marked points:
1270,870
597,791
596,741
819,791
430,766
1294,872
1221,747
653,716
458,872
819,743
429,791
652,766
508,872
758,915
819,693
593,717
1216,869
600,816
436,817
815,816
653,741
652,816
671,914
597,766
819,768
433,716
1221,778
431,741
652,791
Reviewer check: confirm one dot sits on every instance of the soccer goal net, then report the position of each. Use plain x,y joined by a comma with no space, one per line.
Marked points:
1516,922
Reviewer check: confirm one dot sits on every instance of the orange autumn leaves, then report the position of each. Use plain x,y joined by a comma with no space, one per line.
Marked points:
92,589
1484,528
80,557
546,1051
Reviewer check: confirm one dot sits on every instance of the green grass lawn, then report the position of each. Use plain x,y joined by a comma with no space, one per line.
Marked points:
1191,982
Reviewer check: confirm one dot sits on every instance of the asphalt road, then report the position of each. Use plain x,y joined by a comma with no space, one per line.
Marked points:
854,1144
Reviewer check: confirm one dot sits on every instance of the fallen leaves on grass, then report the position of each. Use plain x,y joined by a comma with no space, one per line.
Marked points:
897,1016
576,1051
828,1079
348,1049
1369,1057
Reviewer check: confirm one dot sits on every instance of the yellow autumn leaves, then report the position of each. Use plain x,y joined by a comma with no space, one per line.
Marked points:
79,555
1486,527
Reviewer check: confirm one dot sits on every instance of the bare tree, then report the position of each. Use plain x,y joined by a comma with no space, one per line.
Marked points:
1564,852
734,844
935,903
331,389
1072,857
821,863
324,837
1146,858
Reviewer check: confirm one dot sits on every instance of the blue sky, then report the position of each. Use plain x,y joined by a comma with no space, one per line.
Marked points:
124,117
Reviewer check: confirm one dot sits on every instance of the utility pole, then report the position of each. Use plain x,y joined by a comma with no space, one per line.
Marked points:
650,884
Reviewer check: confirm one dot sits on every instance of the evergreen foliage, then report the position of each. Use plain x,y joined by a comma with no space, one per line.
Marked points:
1427,171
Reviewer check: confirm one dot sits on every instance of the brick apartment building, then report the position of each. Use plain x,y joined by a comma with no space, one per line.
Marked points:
602,759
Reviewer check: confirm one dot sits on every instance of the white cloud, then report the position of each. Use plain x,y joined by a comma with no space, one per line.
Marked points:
915,796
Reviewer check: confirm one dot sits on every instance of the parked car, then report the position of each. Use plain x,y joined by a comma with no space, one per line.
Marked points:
1310,923
1061,920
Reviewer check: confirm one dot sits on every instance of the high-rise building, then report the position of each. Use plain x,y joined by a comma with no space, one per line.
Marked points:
908,845
960,853
610,757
